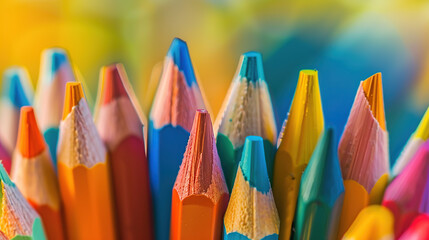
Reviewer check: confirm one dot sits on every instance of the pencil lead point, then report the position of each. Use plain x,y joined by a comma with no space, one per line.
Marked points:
74,93
179,53
373,90
113,83
253,164
251,67
30,141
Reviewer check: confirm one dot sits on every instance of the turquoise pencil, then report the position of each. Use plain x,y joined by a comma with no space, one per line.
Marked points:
251,212
321,195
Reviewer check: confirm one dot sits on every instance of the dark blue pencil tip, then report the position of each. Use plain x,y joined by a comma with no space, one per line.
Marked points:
251,67
13,88
253,164
179,53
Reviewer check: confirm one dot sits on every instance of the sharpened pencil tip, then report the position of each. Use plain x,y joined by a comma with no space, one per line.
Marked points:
251,67
113,83
179,53
74,93
253,164
373,89
30,141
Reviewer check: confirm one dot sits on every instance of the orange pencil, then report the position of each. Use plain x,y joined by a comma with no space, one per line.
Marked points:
83,172
18,220
200,195
33,173
121,129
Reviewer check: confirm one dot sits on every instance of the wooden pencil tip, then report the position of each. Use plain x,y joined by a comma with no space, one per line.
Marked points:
74,93
373,89
251,67
113,84
30,142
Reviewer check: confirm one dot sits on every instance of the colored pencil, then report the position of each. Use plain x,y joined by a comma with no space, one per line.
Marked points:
18,220
5,158
17,92
200,194
363,151
373,223
55,72
177,98
247,110
407,195
84,172
121,129
34,174
414,142
419,229
321,193
251,212
300,134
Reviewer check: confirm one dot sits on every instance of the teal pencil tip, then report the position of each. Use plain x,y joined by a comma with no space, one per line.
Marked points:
251,67
4,176
323,173
253,165
179,53
16,87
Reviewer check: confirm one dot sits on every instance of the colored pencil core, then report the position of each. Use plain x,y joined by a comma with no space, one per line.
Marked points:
74,93
30,141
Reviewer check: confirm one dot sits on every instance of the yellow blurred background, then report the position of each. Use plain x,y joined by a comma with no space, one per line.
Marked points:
346,40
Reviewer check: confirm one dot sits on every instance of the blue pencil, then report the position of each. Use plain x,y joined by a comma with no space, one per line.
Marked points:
170,121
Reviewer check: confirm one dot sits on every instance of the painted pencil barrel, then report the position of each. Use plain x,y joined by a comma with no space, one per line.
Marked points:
87,199
165,152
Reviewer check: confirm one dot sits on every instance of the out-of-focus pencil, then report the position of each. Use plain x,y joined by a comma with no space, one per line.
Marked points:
55,72
407,195
84,172
419,229
17,92
176,100
373,223
247,110
121,129
299,137
33,173
414,142
200,194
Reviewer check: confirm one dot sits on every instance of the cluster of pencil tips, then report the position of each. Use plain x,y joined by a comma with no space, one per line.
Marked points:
67,175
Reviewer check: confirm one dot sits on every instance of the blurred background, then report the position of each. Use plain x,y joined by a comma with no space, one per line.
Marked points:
345,40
